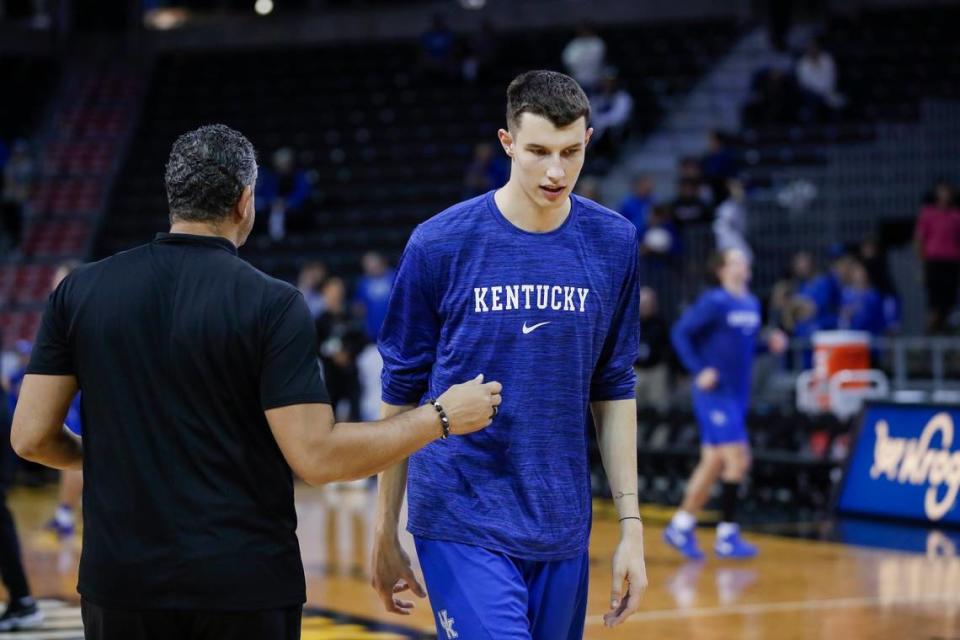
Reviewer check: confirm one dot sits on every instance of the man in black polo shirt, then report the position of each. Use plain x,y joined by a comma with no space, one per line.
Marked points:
201,390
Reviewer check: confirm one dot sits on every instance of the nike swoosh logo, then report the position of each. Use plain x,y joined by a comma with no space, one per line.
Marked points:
527,329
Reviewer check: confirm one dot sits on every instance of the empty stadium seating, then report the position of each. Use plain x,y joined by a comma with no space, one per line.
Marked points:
388,146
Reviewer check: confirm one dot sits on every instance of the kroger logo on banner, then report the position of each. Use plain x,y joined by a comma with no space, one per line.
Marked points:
905,464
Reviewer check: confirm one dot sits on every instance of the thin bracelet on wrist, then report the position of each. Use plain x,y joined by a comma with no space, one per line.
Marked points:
638,518
444,420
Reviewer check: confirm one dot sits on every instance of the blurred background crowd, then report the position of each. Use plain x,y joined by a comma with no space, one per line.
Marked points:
819,137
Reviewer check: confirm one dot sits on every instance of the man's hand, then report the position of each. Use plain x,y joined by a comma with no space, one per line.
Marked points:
707,379
392,575
470,406
629,566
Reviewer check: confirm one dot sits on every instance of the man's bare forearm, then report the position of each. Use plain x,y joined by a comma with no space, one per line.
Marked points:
62,451
392,484
37,433
356,452
616,422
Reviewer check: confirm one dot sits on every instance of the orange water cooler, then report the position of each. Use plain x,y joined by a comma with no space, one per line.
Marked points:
836,351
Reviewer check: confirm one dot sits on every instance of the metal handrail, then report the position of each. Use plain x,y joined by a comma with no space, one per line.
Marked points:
895,350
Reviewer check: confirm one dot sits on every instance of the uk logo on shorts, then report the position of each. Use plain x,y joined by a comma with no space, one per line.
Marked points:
718,418
446,623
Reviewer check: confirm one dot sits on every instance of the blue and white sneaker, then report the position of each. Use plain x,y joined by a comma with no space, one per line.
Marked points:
683,541
732,545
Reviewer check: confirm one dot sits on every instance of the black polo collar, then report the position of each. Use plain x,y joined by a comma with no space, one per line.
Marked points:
217,242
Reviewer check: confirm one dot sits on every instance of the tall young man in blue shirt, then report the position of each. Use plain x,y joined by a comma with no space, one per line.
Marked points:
716,340
537,287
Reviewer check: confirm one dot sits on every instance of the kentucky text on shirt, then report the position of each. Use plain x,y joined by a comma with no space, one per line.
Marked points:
510,298
746,320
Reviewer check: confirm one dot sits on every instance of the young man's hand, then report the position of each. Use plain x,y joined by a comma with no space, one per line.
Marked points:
392,575
628,566
707,379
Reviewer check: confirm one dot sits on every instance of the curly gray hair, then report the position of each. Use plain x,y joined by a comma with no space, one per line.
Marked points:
207,171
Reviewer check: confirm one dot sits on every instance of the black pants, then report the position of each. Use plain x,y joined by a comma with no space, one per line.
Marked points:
11,567
113,624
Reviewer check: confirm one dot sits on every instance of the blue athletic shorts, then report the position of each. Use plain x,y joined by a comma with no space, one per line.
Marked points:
478,594
721,418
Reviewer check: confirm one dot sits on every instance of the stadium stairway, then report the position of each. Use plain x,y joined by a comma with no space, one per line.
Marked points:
713,103
79,149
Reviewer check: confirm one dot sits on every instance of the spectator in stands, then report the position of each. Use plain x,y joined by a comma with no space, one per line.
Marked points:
369,368
652,366
862,304
373,293
790,306
584,57
282,194
437,49
874,259
18,177
661,239
637,205
340,338
730,221
311,278
872,256
689,206
719,164
488,170
937,243
816,303
826,290
689,169
817,78
481,52
612,110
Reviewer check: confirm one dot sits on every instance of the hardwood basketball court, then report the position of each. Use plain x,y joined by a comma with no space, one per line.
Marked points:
796,589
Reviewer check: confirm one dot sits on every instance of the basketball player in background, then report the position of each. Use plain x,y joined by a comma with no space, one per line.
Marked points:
537,286
716,339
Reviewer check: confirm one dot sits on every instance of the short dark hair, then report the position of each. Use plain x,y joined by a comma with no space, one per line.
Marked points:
550,94
207,171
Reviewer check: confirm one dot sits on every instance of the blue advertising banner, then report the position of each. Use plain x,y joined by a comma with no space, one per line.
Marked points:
905,464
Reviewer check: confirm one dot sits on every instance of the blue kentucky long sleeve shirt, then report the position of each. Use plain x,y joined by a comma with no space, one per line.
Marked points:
720,331
554,317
